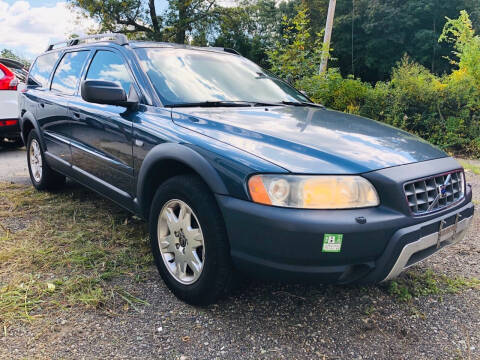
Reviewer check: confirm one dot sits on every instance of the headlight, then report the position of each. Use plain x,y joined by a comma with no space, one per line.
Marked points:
313,192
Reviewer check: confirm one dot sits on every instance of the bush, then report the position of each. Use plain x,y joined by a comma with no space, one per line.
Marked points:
336,92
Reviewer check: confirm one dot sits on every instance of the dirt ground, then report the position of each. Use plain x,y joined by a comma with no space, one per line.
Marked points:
431,312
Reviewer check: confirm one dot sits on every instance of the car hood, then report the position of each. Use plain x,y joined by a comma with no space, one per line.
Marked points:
309,139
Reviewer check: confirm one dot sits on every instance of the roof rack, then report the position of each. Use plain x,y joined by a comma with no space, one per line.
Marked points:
228,50
119,39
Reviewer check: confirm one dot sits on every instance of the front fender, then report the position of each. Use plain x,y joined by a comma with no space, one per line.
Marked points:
179,153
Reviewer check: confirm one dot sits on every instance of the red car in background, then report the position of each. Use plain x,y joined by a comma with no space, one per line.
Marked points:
12,74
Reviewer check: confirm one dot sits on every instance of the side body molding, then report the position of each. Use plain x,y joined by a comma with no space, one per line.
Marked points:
163,153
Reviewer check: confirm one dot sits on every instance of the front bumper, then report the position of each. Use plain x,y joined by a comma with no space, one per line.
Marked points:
286,244
427,245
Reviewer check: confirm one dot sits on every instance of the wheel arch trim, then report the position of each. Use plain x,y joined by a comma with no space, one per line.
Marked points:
177,153
28,117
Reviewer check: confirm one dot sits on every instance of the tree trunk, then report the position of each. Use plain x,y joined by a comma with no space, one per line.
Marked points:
180,36
153,15
182,21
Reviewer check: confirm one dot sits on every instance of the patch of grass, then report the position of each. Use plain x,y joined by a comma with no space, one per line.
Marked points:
415,284
71,248
469,166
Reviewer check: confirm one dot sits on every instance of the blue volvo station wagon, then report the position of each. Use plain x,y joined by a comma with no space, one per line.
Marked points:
234,169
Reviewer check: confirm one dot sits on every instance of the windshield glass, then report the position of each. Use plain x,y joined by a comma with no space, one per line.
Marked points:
184,76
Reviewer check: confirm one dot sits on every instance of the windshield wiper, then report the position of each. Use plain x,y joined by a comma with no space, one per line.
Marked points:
211,104
224,103
237,103
301,103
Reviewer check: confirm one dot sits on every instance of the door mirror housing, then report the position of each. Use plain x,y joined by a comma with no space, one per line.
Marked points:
108,93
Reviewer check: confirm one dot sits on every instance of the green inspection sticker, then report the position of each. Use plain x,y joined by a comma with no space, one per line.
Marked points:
332,242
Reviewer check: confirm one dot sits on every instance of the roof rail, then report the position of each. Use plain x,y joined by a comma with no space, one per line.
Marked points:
228,50
119,39
231,51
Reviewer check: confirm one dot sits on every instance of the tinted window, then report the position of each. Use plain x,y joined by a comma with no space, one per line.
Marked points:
109,66
189,76
41,70
67,76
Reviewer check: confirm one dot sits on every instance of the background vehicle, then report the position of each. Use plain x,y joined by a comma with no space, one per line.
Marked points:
235,169
11,74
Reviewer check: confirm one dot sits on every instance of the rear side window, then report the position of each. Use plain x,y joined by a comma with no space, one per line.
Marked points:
109,66
68,72
41,70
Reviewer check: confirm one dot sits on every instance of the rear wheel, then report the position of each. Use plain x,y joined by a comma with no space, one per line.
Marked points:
189,240
41,175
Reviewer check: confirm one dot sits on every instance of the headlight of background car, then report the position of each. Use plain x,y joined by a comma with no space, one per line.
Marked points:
313,192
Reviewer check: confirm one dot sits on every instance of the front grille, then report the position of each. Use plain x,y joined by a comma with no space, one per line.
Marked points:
422,194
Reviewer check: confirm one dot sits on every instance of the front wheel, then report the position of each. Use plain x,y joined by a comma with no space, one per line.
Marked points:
41,175
189,240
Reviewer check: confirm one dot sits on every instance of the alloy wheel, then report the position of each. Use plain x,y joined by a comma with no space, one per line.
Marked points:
181,242
36,164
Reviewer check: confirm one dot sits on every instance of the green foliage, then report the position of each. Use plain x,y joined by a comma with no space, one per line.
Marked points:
296,55
384,30
332,90
415,284
460,32
252,27
139,19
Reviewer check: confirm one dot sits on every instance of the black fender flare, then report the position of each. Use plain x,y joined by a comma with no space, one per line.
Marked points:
182,154
28,116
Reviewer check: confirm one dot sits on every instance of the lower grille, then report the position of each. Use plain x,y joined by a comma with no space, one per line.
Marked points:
435,193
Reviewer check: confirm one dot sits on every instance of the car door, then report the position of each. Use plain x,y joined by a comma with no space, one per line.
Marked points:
47,112
102,134
52,115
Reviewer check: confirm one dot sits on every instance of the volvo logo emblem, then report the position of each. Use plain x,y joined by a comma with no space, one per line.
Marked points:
441,192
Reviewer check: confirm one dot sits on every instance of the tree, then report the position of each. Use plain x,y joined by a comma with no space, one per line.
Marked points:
384,30
297,54
139,18
460,32
252,27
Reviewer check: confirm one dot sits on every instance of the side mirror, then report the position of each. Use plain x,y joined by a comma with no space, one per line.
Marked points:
106,92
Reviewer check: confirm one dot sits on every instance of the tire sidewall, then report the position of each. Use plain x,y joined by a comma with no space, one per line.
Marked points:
202,203
40,185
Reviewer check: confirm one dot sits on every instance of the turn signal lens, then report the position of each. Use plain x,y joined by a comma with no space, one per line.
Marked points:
313,192
258,191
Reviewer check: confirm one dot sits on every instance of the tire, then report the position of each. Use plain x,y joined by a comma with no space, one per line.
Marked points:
11,143
42,178
216,275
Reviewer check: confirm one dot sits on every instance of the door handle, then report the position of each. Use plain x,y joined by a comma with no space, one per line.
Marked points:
76,115
42,105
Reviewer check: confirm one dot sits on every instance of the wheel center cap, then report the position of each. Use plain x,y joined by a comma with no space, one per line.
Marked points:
181,238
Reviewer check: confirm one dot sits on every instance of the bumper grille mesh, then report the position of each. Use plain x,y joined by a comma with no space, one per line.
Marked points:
433,193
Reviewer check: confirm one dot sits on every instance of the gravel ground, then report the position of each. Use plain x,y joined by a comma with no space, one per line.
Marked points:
272,321
13,165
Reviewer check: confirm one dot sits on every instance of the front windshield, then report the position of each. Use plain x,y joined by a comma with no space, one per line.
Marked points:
184,76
